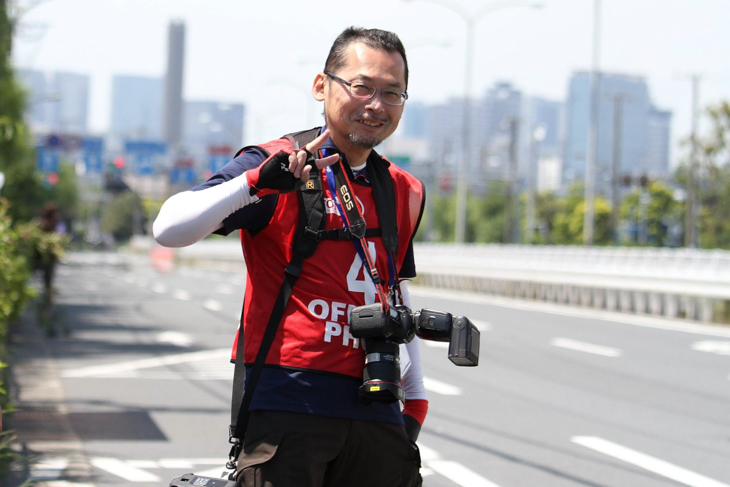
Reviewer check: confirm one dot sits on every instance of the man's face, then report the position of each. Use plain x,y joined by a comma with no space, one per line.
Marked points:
357,123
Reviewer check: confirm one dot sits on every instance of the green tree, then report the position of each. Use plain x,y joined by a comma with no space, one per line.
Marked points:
123,215
567,226
651,211
22,185
547,207
713,178
485,216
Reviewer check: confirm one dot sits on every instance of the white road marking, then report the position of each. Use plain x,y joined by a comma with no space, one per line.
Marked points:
129,279
49,468
454,471
431,343
212,305
124,470
720,348
224,289
181,294
176,338
120,367
158,287
439,387
66,483
215,472
659,467
585,347
134,470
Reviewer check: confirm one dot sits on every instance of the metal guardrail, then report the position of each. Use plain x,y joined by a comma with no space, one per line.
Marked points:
678,283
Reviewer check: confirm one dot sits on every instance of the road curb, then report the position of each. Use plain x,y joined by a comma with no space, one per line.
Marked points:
41,422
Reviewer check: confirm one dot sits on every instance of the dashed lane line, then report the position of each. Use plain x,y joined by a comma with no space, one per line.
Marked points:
585,347
124,470
137,470
652,464
212,305
181,294
175,338
710,346
454,471
442,388
134,365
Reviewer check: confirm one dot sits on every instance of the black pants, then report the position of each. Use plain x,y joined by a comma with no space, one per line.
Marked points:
285,449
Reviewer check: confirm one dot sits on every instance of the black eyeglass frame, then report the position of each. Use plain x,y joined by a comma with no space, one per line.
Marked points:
373,90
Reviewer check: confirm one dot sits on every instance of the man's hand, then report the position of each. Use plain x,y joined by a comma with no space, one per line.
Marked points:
286,171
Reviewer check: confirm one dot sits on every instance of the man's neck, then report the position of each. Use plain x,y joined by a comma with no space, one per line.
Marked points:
355,156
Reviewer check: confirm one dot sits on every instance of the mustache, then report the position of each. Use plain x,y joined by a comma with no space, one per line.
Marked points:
373,117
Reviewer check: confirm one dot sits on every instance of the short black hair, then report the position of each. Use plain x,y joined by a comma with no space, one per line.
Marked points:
375,38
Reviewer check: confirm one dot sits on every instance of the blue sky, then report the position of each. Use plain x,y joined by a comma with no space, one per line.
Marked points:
265,53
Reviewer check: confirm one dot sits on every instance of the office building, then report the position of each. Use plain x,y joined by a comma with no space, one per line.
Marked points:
136,108
631,133
209,126
58,102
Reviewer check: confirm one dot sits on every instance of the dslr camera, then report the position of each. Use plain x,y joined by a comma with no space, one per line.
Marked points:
382,333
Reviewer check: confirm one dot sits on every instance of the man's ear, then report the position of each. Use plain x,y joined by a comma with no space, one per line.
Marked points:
318,86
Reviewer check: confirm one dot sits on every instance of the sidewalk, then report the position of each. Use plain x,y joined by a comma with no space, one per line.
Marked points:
45,435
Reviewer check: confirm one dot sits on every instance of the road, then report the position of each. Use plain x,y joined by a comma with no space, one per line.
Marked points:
560,398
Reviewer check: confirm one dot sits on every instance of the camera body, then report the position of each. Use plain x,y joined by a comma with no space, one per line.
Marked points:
191,480
383,333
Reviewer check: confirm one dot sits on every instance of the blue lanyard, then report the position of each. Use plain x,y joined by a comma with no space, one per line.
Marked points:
357,243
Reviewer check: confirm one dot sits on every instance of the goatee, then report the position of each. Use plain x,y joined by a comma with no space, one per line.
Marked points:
363,141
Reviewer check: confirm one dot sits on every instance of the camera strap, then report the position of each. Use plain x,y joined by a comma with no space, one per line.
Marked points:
353,220
311,220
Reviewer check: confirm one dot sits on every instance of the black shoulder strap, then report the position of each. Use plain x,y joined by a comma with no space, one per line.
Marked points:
300,139
311,220
384,195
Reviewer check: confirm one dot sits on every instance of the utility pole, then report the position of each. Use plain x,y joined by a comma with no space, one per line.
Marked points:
590,179
690,217
618,116
537,136
510,207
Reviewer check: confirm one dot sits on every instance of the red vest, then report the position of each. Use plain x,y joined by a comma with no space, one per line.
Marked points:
314,333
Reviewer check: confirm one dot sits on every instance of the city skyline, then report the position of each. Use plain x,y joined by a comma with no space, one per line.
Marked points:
535,49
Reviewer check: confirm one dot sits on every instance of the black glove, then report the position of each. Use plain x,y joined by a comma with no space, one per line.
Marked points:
273,176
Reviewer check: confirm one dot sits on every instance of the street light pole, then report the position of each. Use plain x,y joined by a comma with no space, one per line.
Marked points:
590,179
462,183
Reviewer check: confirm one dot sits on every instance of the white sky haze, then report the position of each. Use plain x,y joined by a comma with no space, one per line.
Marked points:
266,53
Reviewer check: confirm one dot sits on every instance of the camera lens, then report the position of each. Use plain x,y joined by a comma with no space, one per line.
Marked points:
381,377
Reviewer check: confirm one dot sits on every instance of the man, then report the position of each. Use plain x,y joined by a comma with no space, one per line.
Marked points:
307,427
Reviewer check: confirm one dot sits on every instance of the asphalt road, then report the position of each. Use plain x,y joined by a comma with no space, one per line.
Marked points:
560,398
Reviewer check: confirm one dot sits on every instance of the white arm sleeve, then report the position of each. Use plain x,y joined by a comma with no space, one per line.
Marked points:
190,216
413,378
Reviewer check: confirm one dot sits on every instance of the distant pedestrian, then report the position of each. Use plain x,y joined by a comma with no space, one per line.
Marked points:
48,222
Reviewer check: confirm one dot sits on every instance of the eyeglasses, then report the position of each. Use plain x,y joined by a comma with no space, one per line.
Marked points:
365,92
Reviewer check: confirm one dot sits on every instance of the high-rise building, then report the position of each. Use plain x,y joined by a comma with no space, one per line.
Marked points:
173,107
57,102
136,108
212,124
631,132
658,143
72,109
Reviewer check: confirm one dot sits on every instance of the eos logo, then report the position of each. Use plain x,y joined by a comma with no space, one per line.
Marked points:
331,207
